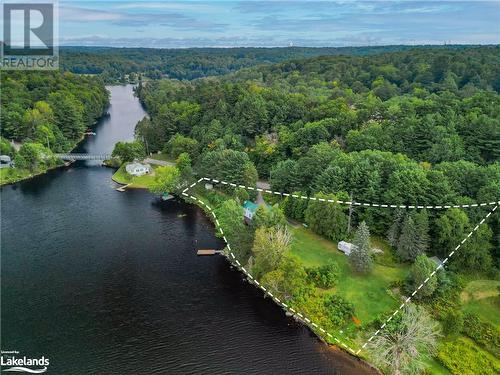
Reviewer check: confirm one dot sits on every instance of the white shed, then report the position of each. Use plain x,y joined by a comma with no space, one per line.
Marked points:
345,247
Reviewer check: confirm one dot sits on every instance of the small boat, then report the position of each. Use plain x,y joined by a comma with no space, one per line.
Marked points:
207,252
166,196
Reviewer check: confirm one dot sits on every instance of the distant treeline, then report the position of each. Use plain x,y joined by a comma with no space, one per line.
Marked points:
118,64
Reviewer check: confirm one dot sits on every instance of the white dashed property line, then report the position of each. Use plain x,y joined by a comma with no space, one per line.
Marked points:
437,207
428,278
306,320
253,280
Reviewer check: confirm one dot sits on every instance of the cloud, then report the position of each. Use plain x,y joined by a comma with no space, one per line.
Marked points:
136,19
277,23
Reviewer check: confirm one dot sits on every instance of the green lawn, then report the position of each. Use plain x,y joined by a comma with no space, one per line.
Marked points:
164,157
140,182
9,175
482,297
368,293
435,367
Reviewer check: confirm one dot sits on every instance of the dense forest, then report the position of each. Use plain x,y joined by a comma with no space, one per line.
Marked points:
46,112
418,127
420,116
124,64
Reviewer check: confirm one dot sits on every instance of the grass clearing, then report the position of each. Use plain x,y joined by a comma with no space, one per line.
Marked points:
482,298
369,293
163,157
9,175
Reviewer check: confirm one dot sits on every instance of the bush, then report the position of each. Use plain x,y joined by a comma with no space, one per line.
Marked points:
325,276
6,148
462,357
484,333
241,195
453,322
338,309
420,271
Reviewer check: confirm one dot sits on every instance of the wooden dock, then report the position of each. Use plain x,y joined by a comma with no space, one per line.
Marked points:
207,252
122,188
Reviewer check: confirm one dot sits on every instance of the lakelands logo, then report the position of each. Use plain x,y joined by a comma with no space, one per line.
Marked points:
10,361
29,35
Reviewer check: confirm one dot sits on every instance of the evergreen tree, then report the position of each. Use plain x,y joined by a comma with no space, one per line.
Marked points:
360,256
421,220
395,229
414,237
408,248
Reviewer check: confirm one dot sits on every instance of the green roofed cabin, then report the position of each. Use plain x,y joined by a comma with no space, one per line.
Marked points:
250,209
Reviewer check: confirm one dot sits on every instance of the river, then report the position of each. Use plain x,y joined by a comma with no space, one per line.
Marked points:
102,282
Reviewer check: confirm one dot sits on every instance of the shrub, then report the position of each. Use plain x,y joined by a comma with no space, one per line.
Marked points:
484,333
338,309
241,195
325,276
462,357
453,322
420,271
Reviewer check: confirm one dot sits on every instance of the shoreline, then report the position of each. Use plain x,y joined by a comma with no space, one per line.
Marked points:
309,326
335,347
40,173
295,317
65,163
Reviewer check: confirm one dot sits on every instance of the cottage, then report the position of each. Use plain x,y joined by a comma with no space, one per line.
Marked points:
250,209
345,247
138,169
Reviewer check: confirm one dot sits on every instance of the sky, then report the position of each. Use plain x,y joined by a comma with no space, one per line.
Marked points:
181,24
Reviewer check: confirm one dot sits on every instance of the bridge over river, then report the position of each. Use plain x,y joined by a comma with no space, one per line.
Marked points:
82,156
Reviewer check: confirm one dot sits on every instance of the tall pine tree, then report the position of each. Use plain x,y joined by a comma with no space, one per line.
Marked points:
406,248
395,229
360,257
414,237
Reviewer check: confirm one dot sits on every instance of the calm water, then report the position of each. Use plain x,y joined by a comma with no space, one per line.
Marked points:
103,282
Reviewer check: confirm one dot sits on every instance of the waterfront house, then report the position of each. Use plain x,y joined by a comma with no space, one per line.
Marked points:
138,169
